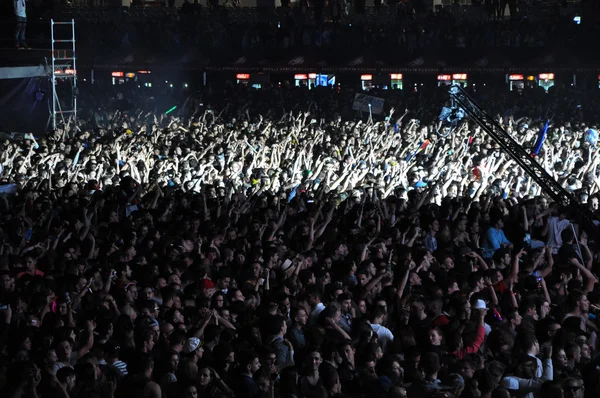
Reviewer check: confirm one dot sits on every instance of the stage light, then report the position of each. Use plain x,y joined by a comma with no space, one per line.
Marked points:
40,95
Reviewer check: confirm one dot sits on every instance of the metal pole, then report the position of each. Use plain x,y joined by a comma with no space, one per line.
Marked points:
74,94
53,77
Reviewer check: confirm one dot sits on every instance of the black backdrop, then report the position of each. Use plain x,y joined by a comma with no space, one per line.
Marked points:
21,110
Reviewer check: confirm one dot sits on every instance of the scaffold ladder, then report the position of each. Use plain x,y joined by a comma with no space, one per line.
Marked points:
64,69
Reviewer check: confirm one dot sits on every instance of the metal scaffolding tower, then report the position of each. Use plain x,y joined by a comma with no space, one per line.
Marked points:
64,68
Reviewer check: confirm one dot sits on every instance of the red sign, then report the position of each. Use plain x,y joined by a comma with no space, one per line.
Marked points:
243,76
300,76
459,76
117,74
444,77
516,77
366,77
396,76
546,76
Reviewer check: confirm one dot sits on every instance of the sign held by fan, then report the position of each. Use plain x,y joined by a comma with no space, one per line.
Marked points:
362,103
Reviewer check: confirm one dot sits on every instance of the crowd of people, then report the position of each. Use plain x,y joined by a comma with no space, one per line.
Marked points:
276,243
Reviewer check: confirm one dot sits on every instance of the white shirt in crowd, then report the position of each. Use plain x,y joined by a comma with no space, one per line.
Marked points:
20,8
314,315
384,335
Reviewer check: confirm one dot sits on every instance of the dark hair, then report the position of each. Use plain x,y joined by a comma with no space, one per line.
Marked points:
430,363
246,358
276,324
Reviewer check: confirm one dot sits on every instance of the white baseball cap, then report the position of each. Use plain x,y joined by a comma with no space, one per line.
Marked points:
480,305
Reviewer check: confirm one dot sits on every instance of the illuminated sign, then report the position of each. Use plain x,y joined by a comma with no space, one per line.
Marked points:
396,76
117,74
531,78
459,76
300,76
546,76
516,77
58,72
312,75
130,75
144,72
444,77
243,76
366,77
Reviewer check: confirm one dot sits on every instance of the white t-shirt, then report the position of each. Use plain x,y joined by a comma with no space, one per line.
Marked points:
20,8
555,228
314,315
384,335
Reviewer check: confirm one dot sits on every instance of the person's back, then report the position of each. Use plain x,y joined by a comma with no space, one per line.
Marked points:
246,387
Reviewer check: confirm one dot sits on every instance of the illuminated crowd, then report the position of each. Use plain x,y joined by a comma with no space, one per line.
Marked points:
278,243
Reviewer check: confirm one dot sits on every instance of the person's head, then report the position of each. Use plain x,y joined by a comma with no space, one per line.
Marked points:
573,387
514,318
190,391
172,361
345,303
145,341
435,336
347,352
313,295
467,368
573,352
249,363
417,306
501,393
278,325
567,236
313,359
204,376
529,343
64,349
429,365
543,309
66,376
379,315
434,226
560,358
362,276
526,367
299,316
578,301
586,352
30,263
497,222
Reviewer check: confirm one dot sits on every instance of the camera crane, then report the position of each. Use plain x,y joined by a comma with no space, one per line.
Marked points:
461,100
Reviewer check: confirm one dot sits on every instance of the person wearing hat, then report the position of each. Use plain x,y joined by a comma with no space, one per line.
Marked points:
193,348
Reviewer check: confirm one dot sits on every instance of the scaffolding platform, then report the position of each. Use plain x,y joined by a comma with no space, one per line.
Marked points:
11,57
56,64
